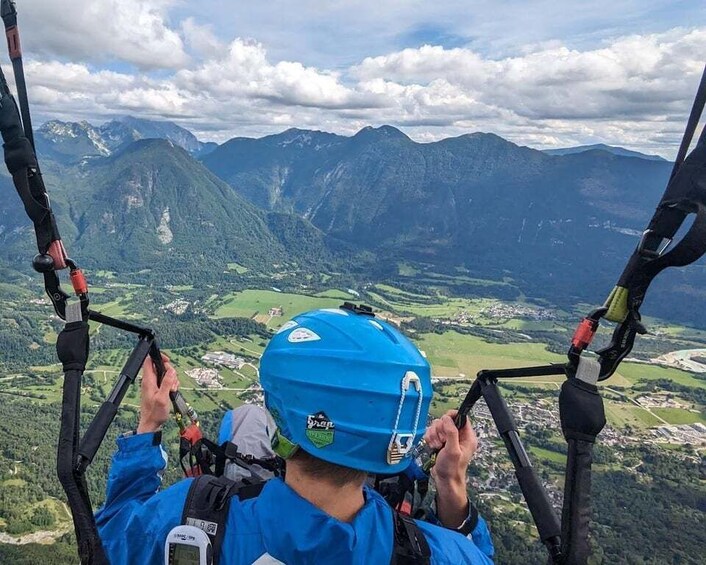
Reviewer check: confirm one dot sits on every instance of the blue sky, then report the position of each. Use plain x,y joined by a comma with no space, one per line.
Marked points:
541,73
336,34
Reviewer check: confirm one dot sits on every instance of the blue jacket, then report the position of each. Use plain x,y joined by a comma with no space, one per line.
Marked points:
136,518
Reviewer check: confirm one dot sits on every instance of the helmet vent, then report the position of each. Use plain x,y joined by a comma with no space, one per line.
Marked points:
335,311
302,335
287,326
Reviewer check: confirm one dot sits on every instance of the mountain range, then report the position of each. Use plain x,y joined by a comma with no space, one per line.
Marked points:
71,142
480,201
603,147
559,226
151,205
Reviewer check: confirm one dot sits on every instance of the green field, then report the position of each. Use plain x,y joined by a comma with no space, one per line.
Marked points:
633,372
238,268
251,303
548,455
452,353
680,416
621,414
445,308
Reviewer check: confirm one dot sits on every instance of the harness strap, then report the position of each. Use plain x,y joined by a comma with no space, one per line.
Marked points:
410,547
685,194
582,418
694,117
22,164
207,506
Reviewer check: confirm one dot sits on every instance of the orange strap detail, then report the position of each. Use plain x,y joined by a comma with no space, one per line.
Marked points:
13,42
584,334
78,281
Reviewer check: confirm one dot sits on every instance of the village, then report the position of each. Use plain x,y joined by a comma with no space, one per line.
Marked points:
499,311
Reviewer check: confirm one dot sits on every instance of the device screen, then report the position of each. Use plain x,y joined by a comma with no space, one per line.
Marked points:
185,554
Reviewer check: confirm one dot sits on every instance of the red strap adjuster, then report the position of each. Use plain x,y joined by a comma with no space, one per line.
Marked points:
78,281
583,336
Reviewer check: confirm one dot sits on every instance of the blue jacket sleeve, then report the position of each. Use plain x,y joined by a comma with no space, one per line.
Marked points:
480,535
135,520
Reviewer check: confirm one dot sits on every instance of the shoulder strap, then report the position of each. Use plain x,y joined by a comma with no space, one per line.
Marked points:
207,506
410,547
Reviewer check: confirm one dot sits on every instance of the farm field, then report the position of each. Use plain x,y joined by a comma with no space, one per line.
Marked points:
257,304
510,340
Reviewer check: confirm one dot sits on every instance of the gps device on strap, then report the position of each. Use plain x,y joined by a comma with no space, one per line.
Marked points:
187,545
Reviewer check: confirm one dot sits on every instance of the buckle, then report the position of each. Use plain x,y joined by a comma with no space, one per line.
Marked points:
646,251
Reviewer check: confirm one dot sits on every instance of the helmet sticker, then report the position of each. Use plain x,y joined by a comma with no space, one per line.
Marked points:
287,326
319,429
301,335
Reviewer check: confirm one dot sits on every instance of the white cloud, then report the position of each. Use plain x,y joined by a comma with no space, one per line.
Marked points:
134,31
635,90
245,73
202,39
648,76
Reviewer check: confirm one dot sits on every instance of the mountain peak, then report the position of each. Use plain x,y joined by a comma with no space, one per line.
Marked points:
70,142
382,132
612,149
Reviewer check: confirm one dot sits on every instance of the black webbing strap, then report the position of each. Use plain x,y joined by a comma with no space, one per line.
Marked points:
685,194
21,161
410,545
207,506
576,512
9,16
72,348
582,418
697,109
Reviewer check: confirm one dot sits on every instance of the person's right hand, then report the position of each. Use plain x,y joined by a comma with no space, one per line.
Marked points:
155,404
456,449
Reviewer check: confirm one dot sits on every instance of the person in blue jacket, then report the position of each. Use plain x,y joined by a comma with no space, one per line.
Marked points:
349,395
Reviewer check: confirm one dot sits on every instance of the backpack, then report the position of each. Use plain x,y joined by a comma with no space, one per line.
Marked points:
208,502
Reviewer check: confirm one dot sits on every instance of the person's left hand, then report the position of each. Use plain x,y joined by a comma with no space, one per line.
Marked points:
155,404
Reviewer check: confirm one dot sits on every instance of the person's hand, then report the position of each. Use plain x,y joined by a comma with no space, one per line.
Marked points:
456,449
155,404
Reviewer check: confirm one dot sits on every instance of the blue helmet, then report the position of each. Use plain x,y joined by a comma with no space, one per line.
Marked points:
347,388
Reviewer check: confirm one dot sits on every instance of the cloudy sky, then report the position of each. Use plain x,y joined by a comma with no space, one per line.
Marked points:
538,72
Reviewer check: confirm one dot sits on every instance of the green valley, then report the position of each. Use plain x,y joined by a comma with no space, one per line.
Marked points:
215,336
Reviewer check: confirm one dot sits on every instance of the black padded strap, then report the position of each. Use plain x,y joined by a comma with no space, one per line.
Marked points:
21,161
581,410
72,346
410,546
207,505
576,512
